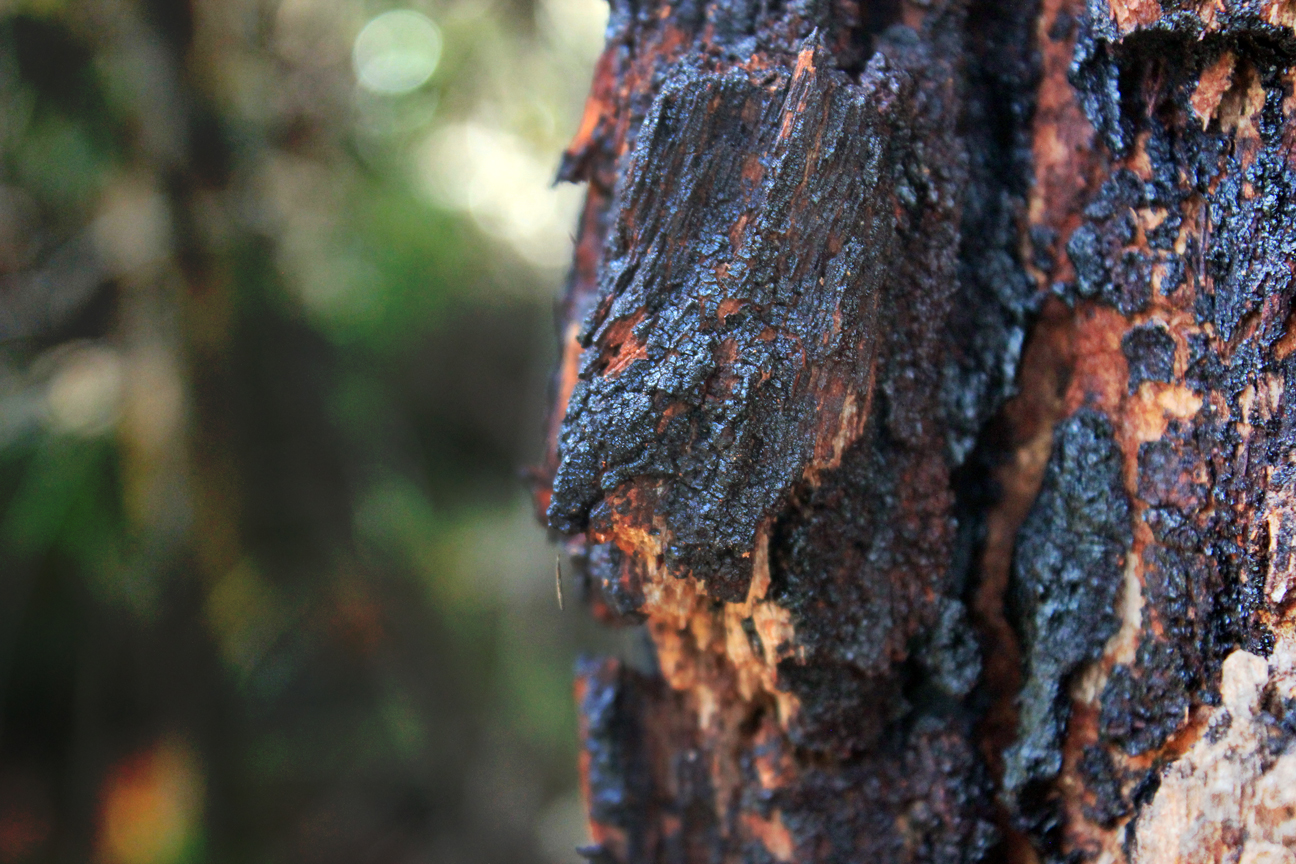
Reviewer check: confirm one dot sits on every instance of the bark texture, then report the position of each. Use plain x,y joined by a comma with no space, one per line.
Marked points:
923,393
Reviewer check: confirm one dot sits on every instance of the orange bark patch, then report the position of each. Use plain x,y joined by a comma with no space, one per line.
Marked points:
1239,111
757,665
598,106
772,834
1210,12
791,112
569,370
729,306
1287,344
1100,370
621,346
1061,142
1148,412
1280,13
1132,14
1211,87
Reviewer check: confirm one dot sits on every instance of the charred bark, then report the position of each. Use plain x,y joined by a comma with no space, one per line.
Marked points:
923,393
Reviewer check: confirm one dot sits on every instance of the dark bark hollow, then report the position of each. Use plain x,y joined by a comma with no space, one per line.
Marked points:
923,392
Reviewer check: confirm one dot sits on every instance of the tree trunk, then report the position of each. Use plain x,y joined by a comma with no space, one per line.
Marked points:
924,390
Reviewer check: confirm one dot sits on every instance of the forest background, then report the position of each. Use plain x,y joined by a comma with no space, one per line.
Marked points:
276,317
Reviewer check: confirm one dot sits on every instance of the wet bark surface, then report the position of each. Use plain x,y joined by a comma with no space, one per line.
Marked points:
923,395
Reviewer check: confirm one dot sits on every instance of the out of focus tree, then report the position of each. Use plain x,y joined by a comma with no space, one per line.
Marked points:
274,284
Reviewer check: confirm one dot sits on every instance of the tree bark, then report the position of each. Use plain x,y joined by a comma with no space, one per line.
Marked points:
924,392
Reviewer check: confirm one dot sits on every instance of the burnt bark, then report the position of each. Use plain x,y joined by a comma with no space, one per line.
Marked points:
924,392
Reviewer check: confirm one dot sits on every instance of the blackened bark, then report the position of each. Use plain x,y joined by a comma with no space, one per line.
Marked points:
923,391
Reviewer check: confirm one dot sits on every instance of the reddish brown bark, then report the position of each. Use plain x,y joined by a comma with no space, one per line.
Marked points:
917,592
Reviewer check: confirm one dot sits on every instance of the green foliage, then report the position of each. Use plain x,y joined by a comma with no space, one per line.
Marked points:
264,374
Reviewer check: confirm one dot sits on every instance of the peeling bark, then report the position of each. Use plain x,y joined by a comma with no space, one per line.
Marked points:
924,394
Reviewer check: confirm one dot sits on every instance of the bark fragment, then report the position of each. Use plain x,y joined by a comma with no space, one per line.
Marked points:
731,353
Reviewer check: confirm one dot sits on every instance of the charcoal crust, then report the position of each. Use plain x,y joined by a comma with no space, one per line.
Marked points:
738,307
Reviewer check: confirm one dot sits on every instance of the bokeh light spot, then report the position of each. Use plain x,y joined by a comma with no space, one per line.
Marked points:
506,185
397,52
152,807
84,396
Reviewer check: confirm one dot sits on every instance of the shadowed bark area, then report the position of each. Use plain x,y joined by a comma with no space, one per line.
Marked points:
923,393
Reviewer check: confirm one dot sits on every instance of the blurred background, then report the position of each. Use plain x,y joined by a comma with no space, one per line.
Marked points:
276,293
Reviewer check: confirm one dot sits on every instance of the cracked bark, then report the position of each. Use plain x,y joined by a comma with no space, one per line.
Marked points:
923,394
